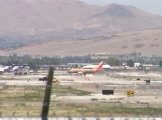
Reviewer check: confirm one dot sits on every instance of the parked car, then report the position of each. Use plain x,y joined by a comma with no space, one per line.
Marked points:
43,79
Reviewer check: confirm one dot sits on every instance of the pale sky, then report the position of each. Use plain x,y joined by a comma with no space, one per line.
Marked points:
153,6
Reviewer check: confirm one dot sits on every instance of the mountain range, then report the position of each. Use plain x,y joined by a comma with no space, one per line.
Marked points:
32,22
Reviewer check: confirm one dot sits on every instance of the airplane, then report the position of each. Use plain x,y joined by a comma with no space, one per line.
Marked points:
86,71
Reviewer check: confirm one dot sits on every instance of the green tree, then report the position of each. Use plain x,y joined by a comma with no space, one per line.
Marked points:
160,63
130,63
34,66
113,61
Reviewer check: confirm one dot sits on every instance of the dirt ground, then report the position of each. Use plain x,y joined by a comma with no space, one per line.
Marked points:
78,93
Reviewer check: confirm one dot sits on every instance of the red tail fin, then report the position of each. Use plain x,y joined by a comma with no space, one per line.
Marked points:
99,67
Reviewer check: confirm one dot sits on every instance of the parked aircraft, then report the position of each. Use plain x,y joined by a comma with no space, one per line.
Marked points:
86,71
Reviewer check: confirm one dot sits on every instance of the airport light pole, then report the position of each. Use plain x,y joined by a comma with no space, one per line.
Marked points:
47,95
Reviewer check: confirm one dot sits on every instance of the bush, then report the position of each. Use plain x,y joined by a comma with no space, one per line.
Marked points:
130,63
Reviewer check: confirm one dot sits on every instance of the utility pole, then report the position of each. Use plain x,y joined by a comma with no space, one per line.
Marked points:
47,95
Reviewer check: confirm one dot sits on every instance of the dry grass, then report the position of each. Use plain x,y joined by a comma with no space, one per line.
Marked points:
15,103
140,41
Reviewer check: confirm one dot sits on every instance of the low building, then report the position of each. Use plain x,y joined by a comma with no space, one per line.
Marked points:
150,67
136,65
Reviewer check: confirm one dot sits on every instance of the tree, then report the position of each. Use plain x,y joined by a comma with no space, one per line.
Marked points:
33,65
130,63
113,61
160,63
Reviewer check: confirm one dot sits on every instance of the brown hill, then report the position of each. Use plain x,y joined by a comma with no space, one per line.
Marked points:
88,28
147,42
35,17
118,18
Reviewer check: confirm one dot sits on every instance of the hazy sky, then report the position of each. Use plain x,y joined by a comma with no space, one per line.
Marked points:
153,6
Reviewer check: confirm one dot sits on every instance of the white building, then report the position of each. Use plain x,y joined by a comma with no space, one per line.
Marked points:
136,65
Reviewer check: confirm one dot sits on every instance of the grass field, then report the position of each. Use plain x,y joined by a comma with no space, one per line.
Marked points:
55,110
34,93
27,101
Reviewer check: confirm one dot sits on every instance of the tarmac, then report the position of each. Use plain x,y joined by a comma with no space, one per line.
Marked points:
121,82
